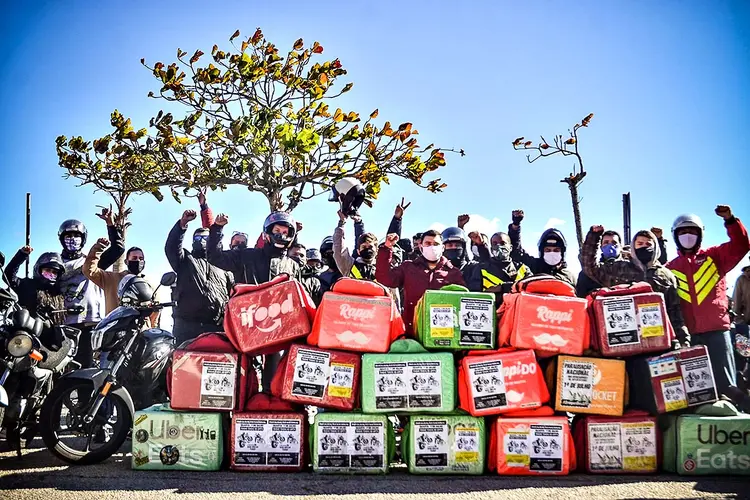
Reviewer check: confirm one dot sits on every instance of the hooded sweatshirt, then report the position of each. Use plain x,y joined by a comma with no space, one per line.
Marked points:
538,264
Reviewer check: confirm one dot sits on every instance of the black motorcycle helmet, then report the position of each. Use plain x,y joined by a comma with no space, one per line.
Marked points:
48,260
454,234
285,219
134,290
72,226
552,238
326,252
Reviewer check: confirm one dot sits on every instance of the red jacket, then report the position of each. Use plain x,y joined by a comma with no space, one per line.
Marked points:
207,217
415,277
701,282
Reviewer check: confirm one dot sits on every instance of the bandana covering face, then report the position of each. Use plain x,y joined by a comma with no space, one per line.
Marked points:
49,275
72,243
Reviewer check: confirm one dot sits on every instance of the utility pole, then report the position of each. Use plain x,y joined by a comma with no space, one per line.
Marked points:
28,228
626,217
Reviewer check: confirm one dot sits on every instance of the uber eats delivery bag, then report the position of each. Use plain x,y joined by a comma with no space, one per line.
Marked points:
715,440
628,320
164,439
630,444
502,381
444,444
358,316
545,315
594,386
269,435
453,318
352,443
265,318
408,380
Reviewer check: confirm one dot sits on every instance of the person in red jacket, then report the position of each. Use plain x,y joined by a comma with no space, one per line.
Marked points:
702,288
429,271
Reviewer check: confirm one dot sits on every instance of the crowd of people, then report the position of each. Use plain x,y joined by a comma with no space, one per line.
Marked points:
693,283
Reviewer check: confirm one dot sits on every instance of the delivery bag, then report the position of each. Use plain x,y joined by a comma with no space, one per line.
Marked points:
595,386
444,444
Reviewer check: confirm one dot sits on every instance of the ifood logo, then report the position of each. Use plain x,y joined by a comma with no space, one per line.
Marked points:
519,369
544,313
253,315
356,313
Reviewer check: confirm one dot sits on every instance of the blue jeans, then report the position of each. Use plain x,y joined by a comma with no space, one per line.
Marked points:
721,352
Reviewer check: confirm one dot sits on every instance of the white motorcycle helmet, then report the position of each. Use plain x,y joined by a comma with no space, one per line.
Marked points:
350,193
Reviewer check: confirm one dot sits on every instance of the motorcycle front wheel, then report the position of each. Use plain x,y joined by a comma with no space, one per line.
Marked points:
69,438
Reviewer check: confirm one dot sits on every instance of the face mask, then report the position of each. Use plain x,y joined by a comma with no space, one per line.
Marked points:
433,253
610,251
73,243
199,246
136,266
240,246
501,252
552,258
299,260
330,261
280,240
367,253
688,241
644,254
455,255
49,275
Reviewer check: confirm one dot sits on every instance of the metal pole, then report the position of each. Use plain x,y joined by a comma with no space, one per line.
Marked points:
28,228
626,214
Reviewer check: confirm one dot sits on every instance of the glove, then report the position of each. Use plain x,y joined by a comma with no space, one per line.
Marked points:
683,338
517,217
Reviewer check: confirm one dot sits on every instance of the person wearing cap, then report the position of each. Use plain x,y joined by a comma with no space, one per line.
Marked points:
611,250
454,242
552,246
497,273
742,298
314,263
702,289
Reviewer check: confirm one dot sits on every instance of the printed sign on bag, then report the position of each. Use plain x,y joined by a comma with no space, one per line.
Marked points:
442,321
577,383
650,320
538,447
267,442
311,370
620,321
409,384
353,444
217,384
628,446
431,443
488,384
477,323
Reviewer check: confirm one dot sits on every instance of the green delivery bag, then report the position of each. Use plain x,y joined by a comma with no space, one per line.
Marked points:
408,380
715,440
444,444
352,443
165,439
454,319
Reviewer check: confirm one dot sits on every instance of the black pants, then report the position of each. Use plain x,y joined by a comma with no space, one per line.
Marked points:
85,355
185,330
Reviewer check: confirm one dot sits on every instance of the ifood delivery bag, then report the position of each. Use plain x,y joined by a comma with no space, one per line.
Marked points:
318,377
454,318
268,436
164,439
678,380
357,315
545,315
529,446
266,318
630,444
352,443
590,385
451,444
491,383
630,320
408,380
203,380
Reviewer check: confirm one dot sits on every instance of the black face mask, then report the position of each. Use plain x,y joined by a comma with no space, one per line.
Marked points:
330,261
645,254
199,249
455,255
136,266
240,246
367,253
280,241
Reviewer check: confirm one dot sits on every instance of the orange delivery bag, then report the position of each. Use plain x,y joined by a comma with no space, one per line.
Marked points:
594,386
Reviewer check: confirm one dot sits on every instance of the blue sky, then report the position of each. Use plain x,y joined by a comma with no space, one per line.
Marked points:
667,82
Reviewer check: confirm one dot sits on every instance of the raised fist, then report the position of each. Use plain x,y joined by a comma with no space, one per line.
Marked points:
391,240
27,250
476,238
517,217
187,216
401,208
102,242
724,211
658,232
342,216
221,220
597,229
299,226
463,219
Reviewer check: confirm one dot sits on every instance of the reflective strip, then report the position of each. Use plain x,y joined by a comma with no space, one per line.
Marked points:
684,296
682,285
489,280
679,275
706,265
354,273
699,285
709,286
522,273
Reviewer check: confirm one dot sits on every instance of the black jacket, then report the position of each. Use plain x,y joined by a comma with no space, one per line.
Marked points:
202,289
536,264
506,272
31,294
586,285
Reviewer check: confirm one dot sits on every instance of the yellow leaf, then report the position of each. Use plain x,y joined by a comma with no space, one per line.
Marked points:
244,46
323,78
374,114
338,116
299,44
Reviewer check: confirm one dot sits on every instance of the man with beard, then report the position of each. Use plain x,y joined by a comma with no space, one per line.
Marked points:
499,272
202,289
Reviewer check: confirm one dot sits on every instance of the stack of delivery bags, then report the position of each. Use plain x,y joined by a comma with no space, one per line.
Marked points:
543,384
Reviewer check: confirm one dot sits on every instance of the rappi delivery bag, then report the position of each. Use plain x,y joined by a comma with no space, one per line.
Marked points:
533,445
262,319
318,377
453,318
589,385
204,380
502,381
357,315
544,314
628,320
268,436
677,379
630,444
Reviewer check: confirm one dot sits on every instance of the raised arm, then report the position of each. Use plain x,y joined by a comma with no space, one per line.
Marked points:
207,216
116,247
91,266
228,260
11,270
593,268
341,254
173,248
729,254
392,277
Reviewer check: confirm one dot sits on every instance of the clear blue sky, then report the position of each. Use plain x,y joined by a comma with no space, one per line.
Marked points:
668,82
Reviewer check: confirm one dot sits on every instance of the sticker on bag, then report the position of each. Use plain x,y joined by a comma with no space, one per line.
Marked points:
476,322
466,446
217,384
650,320
442,321
367,444
516,449
311,370
605,447
620,321
628,446
699,380
488,384
431,443
673,390
342,380
333,445
267,442
663,366
578,380
425,384
546,449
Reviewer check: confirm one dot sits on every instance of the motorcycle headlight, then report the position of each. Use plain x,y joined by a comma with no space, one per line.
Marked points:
20,345
97,336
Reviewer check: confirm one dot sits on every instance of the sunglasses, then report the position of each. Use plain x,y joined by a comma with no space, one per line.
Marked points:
200,238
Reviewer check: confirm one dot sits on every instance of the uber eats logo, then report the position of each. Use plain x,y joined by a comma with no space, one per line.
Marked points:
720,449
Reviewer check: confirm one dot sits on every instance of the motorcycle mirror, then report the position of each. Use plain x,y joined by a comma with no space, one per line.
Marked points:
169,279
2,259
3,397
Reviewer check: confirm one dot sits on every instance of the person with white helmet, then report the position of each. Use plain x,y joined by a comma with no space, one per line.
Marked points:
702,288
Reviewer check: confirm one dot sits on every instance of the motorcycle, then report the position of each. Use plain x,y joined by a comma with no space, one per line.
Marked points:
89,414
29,367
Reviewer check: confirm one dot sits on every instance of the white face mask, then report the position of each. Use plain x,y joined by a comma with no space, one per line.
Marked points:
552,258
688,241
432,254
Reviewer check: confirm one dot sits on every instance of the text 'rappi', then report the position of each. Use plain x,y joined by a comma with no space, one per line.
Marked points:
546,314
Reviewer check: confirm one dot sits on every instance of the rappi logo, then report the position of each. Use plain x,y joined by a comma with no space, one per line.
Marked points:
356,313
547,315
518,369
253,315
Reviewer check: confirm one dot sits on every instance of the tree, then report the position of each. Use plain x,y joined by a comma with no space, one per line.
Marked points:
564,147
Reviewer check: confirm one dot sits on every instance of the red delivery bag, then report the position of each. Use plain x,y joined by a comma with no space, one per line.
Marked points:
357,315
502,381
544,314
630,444
262,319
318,377
203,380
268,436
628,320
219,342
529,446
